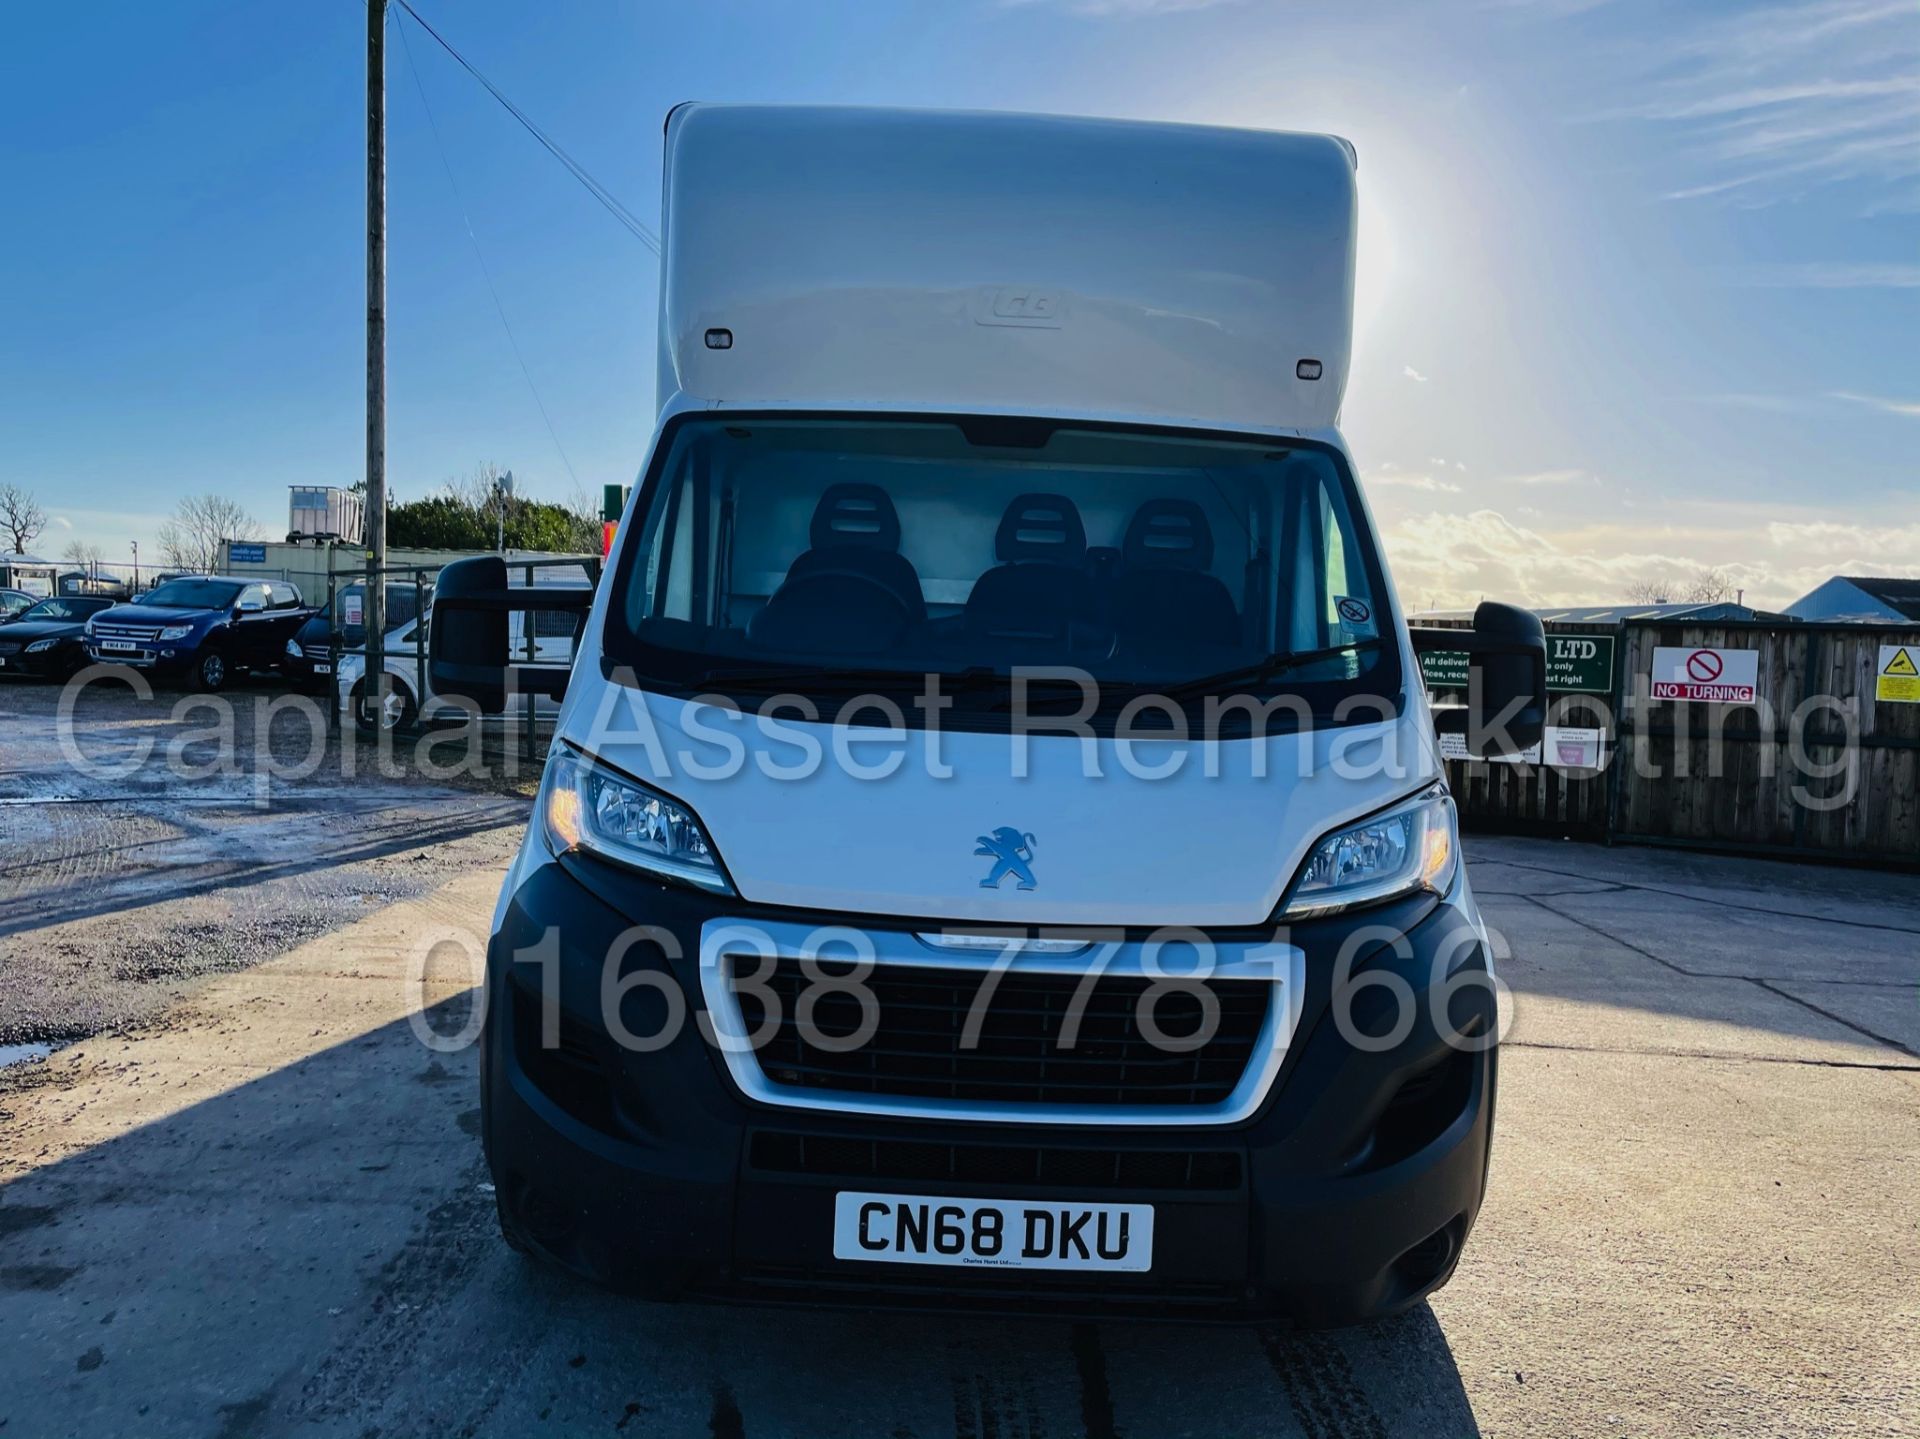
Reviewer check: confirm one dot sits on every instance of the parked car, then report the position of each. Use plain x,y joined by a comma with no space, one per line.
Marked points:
310,660
201,629
553,645
47,640
12,602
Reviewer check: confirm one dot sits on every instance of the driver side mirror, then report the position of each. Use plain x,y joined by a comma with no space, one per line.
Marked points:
249,606
467,648
1506,710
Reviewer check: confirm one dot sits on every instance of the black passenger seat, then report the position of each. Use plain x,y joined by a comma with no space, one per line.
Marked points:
1165,596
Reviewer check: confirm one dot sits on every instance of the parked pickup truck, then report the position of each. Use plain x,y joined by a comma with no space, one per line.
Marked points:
201,629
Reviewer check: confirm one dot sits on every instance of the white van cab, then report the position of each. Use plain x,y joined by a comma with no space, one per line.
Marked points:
994,852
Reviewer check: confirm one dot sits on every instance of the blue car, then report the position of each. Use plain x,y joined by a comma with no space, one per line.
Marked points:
201,630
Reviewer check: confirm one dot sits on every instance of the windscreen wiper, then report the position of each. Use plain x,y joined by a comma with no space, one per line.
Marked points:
778,681
974,680
854,681
1271,667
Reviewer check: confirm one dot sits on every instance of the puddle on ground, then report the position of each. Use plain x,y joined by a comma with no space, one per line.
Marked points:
23,1053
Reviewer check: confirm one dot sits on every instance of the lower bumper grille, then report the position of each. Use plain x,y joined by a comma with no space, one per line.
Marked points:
917,1162
1056,1039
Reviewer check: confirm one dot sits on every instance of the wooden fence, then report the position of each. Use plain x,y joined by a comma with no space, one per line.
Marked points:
1818,765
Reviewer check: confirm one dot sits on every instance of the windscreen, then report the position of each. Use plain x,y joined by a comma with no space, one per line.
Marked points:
192,595
805,554
65,609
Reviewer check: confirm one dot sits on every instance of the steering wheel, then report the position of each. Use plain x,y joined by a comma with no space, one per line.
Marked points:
832,611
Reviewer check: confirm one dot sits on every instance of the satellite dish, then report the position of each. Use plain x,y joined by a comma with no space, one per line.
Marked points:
506,483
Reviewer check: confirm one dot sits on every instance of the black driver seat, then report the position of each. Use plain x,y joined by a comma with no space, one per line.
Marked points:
834,598
856,530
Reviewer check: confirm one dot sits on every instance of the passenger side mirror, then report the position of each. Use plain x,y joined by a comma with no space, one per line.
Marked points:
467,650
250,605
1506,710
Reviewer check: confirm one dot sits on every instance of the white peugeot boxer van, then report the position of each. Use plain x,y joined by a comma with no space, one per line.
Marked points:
994,852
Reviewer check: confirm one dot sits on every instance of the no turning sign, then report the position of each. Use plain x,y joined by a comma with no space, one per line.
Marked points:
1714,676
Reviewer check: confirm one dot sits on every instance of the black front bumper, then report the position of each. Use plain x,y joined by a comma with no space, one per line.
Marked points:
170,662
1346,1196
53,664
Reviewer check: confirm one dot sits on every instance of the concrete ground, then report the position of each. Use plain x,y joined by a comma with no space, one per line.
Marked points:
253,1203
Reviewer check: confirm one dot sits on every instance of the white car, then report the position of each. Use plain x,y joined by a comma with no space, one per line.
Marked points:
409,700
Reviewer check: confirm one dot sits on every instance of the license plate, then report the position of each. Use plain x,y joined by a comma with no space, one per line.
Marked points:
323,669
993,1233
118,646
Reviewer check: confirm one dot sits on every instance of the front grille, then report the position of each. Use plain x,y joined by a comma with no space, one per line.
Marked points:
916,1049
917,1162
9,647
140,634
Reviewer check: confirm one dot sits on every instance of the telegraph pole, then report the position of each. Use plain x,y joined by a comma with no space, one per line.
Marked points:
376,518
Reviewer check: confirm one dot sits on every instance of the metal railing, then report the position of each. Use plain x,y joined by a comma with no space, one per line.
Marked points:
525,719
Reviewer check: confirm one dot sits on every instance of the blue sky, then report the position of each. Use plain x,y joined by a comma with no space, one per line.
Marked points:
1640,284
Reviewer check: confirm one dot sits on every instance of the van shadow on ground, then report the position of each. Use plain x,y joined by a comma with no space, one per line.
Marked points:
312,1251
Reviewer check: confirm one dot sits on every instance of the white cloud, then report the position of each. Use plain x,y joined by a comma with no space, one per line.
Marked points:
1452,560
61,522
1413,374
1760,106
1819,275
1393,478
1550,477
1910,408
1772,97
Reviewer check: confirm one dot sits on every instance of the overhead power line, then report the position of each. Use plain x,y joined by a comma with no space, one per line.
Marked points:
640,229
434,125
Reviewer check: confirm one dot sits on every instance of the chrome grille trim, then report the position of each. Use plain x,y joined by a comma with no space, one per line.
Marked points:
1281,965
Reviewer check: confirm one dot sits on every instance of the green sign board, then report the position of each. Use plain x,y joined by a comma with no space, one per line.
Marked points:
1576,664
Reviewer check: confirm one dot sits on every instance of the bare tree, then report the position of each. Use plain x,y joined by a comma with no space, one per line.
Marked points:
20,516
483,492
479,490
1709,587
80,552
584,507
191,539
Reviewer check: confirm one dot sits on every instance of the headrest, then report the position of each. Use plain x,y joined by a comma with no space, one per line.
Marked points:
855,514
1041,527
1169,534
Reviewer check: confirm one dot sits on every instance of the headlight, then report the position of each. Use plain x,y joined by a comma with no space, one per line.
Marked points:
89,626
1412,847
587,807
41,646
294,651
176,632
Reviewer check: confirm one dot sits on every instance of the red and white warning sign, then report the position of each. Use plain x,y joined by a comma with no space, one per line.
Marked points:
1728,677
